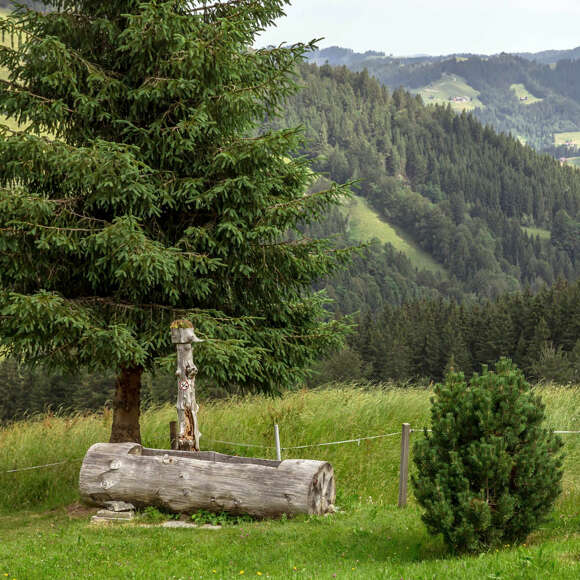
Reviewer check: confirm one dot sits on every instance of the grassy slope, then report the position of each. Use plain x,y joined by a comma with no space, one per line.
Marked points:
3,72
521,91
365,224
368,538
4,75
449,86
544,234
561,138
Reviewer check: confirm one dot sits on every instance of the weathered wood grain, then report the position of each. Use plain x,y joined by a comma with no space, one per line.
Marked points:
182,335
182,481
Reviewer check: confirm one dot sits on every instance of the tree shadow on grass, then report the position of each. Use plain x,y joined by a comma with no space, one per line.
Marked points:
393,545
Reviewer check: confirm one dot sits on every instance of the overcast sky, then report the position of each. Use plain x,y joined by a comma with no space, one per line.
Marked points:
406,27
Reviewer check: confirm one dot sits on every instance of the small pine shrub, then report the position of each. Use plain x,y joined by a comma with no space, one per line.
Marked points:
489,472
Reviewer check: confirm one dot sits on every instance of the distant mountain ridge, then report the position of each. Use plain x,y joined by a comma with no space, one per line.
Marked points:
337,56
517,94
551,56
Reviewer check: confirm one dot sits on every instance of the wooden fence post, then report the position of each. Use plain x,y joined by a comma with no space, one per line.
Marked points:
404,473
188,435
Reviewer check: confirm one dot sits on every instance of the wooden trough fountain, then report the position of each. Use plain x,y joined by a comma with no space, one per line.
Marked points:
185,480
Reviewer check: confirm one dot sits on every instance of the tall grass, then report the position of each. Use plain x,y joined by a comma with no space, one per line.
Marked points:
365,470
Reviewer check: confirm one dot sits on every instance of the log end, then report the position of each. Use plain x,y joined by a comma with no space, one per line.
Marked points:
322,494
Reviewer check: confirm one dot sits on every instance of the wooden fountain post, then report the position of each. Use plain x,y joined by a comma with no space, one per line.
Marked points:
188,435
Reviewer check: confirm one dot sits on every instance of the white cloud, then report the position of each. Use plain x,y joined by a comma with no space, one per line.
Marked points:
556,7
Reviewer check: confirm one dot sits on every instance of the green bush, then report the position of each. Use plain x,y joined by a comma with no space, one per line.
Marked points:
489,472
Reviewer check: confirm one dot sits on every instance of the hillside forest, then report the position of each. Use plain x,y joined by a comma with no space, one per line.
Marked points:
500,219
494,214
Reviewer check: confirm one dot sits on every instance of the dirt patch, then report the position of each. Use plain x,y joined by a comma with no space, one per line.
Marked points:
79,510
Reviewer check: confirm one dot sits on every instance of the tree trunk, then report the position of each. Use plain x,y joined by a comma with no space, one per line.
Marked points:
126,406
182,481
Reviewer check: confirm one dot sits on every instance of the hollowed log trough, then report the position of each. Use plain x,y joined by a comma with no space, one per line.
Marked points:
185,482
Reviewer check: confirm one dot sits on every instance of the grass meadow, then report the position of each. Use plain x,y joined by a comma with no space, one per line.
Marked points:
448,87
526,98
45,533
365,224
10,123
572,137
533,231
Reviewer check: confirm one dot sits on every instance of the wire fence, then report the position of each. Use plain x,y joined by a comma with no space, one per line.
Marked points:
556,432
309,445
42,466
258,446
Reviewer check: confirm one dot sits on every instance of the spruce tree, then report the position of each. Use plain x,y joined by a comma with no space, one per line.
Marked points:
139,191
489,471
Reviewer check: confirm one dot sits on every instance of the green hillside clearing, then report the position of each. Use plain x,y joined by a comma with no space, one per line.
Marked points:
544,234
575,161
365,224
5,42
525,97
4,76
571,138
453,90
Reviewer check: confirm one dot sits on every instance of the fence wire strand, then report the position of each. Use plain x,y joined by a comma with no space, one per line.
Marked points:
239,444
256,446
556,432
357,440
42,466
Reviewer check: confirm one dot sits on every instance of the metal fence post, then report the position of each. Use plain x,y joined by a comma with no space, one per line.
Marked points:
277,439
404,472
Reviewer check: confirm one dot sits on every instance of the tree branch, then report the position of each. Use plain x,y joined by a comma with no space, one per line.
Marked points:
13,88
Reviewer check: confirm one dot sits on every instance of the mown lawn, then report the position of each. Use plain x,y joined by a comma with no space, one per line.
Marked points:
40,537
365,541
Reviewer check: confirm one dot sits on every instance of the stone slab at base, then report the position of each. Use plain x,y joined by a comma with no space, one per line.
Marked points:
101,520
115,515
178,524
119,506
